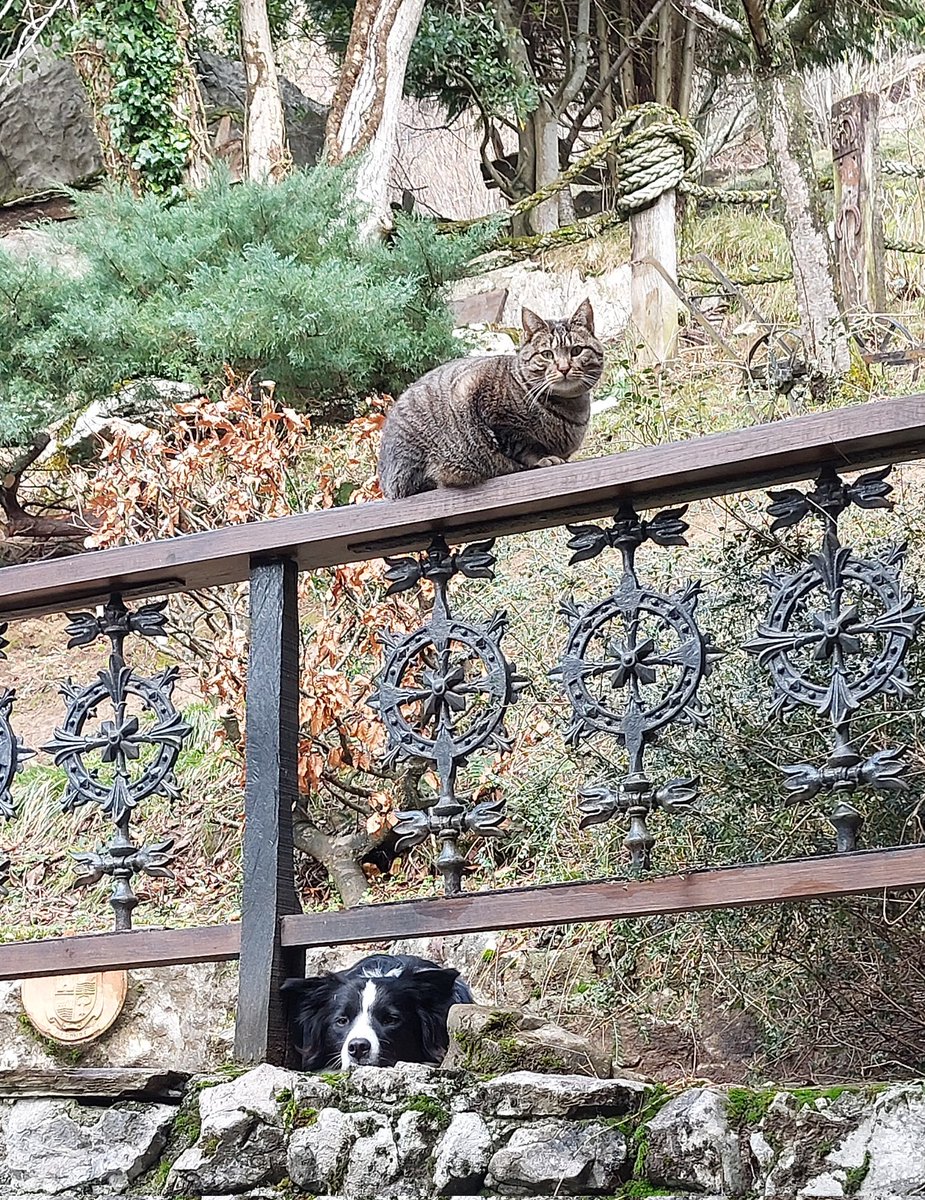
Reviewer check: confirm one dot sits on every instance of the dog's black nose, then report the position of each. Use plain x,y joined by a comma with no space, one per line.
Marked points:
358,1049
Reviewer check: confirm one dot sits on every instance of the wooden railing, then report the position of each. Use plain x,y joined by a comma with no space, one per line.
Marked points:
273,931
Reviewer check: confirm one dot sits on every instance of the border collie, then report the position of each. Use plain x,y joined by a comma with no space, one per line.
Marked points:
385,1009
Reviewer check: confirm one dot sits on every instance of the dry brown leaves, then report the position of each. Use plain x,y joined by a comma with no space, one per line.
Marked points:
242,459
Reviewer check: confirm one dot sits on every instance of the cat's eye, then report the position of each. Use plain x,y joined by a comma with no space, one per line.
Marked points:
576,350
545,355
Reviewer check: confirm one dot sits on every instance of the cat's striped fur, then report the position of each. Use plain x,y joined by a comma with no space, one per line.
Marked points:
476,418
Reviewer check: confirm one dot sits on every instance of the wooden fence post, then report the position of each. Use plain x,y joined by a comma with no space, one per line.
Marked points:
858,221
272,786
654,305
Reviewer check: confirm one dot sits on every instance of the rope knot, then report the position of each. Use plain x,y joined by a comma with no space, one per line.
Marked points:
656,149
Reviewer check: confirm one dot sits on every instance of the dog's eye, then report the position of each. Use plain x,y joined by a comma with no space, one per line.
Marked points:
342,1021
391,1018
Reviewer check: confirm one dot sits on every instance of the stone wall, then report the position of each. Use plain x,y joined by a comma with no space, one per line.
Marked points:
415,1133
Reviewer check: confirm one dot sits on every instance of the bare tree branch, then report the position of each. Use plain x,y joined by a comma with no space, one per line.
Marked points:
717,19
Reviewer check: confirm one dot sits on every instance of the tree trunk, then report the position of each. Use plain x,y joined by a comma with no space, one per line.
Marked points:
266,149
783,120
364,112
190,109
97,62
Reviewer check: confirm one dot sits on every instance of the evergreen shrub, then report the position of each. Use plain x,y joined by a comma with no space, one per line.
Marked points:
273,279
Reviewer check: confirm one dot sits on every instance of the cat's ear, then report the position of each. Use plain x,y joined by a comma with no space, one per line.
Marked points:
583,316
532,323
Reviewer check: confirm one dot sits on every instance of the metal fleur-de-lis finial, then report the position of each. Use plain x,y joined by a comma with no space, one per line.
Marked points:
442,694
129,756
632,665
836,634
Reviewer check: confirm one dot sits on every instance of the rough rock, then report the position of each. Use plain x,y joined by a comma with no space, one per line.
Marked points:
256,1092
560,1157
32,244
241,1142
237,1152
321,1155
53,1146
395,1085
525,1093
890,1143
799,1137
554,293
46,131
463,1153
373,1160
484,1039
691,1145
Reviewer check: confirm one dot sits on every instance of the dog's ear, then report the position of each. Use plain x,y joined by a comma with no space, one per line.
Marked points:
312,988
436,983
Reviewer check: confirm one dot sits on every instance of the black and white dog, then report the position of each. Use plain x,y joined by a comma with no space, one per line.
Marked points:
385,1009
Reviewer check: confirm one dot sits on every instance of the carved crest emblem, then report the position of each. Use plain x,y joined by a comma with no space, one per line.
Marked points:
74,1008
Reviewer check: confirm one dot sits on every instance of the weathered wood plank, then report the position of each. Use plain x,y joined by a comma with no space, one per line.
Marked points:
655,307
261,1033
864,436
95,1083
858,210
114,951
559,904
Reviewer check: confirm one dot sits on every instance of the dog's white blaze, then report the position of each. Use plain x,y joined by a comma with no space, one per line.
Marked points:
362,1028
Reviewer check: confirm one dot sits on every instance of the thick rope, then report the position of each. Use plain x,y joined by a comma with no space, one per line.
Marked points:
903,246
748,279
726,195
651,158
892,166
656,149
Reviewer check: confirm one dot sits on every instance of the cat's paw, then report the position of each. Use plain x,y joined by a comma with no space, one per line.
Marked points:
549,461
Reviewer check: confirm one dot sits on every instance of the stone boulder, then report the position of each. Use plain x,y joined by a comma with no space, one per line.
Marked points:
56,1146
528,1094
486,1039
560,1157
46,130
241,1141
692,1145
462,1155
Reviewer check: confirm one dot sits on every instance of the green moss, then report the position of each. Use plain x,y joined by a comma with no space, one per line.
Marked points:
65,1056
855,1176
294,1114
639,1189
432,1109
210,1144
807,1096
745,1106
335,1079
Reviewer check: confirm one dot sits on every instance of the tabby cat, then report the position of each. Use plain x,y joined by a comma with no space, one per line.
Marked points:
476,418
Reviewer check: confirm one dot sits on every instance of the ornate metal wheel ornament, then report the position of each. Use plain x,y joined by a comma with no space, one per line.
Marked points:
442,694
632,665
128,757
12,756
836,634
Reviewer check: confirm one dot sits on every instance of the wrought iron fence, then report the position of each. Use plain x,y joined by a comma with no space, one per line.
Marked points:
632,664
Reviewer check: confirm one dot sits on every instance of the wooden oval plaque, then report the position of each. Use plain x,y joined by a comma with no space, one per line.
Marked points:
74,1008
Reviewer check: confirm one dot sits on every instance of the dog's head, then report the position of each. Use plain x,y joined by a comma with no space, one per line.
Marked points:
344,1020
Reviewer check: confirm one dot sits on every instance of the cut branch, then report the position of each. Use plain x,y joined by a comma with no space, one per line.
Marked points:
17,520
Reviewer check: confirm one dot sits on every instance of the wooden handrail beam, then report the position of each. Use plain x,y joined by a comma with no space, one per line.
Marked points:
867,435
516,908
608,900
112,951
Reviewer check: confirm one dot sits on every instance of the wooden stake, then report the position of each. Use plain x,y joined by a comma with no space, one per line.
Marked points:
858,221
654,305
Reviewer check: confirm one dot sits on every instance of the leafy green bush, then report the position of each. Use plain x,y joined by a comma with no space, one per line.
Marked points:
268,278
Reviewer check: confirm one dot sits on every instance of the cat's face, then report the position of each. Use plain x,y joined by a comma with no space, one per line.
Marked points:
562,357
